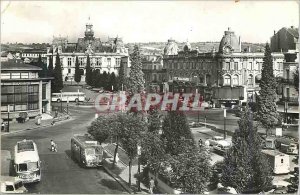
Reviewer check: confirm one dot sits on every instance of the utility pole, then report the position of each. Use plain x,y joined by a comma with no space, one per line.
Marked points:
224,123
61,101
139,166
8,109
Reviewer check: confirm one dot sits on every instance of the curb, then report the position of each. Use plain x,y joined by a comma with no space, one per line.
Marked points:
119,180
33,128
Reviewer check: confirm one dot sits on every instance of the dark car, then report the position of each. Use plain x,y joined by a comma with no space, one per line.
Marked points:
280,190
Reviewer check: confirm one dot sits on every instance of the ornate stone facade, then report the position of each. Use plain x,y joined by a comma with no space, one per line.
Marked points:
104,56
229,67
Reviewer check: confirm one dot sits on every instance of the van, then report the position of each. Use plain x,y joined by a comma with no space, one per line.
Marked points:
279,161
12,185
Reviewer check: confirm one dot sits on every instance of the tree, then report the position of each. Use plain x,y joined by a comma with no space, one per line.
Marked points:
267,111
101,128
57,73
99,80
50,67
133,127
154,121
190,171
136,76
245,167
175,128
77,71
44,71
113,82
104,80
88,69
121,77
296,79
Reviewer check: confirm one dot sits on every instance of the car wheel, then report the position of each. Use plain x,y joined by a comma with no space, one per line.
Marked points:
76,100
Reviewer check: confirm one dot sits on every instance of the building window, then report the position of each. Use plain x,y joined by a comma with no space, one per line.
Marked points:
236,65
5,75
98,62
227,66
108,61
69,61
44,91
24,75
250,80
15,75
235,80
281,160
118,61
81,61
69,70
226,80
20,97
154,67
250,66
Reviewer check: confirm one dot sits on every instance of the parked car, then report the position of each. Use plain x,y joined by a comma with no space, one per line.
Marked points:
214,140
12,185
221,147
280,190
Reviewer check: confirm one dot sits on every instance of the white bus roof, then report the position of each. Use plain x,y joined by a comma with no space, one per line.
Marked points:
66,93
28,156
26,151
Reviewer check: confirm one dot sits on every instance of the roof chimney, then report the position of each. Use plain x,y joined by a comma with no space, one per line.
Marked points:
274,32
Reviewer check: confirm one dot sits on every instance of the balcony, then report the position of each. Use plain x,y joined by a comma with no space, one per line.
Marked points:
288,81
289,99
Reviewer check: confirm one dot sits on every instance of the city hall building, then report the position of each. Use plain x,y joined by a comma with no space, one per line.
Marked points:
229,76
22,91
104,56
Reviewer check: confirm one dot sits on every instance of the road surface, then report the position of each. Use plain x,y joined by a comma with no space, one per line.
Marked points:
60,174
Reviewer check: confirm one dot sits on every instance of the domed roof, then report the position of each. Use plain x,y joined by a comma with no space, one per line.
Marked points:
229,42
171,48
187,46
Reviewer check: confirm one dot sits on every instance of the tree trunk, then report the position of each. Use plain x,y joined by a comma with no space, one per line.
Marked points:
116,151
129,182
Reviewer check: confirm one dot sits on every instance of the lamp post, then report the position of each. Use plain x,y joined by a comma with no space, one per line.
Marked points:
61,101
139,166
67,105
205,120
8,109
224,123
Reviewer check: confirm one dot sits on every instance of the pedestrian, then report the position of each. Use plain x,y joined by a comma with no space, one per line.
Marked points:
2,126
53,146
151,185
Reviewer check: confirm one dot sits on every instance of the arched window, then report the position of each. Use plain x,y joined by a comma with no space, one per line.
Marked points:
235,80
226,80
250,80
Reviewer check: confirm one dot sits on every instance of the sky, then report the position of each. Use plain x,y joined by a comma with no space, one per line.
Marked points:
146,21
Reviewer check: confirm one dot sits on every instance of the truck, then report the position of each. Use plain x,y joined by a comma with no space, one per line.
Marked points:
279,161
86,151
287,145
8,183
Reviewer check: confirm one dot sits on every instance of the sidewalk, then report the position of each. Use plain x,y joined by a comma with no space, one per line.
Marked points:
32,124
121,171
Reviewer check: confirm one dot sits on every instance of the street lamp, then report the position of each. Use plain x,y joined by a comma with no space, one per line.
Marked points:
224,123
61,101
67,105
8,108
139,166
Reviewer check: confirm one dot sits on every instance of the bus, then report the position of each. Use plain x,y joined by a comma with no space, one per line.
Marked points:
86,151
68,96
27,163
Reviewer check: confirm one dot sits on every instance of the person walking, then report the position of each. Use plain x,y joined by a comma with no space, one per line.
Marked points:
151,185
2,126
53,146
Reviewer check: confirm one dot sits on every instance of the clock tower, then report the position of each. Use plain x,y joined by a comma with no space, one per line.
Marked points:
89,33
